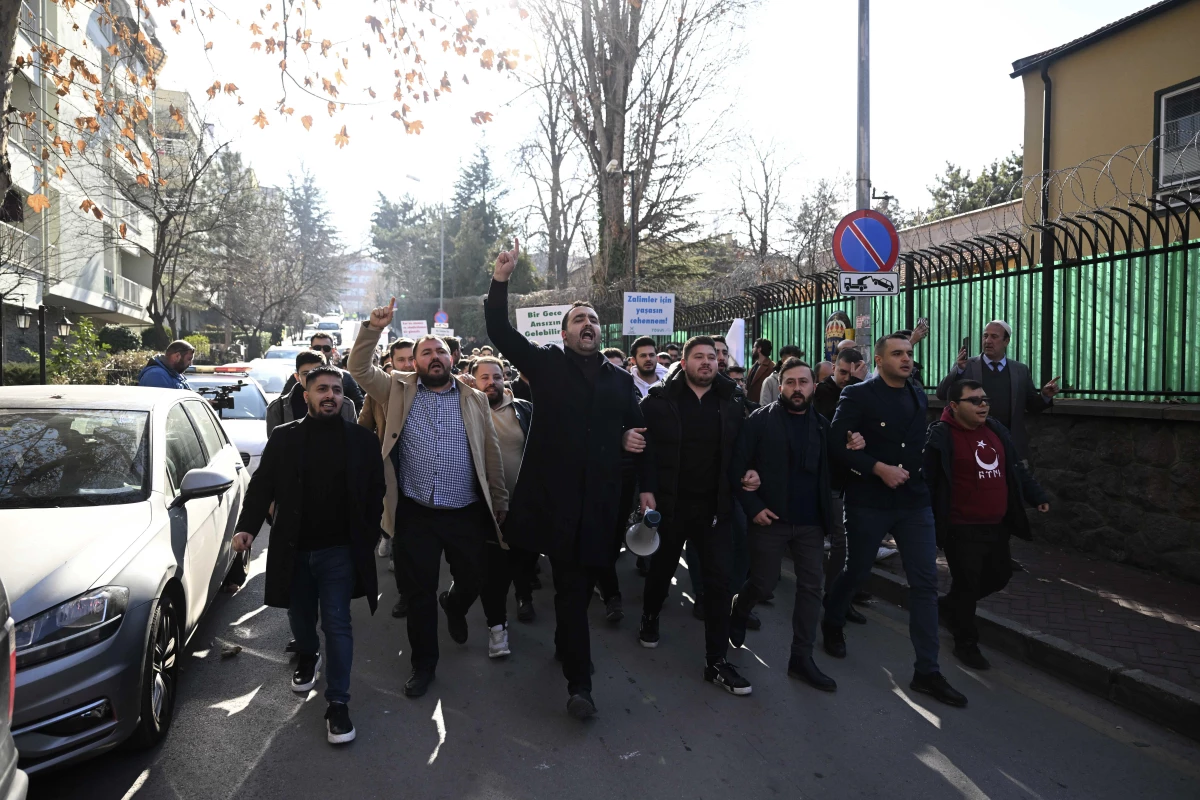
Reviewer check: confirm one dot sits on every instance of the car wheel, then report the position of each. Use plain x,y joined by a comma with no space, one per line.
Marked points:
160,676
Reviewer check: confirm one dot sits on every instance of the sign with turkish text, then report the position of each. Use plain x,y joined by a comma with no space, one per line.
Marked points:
413,328
648,314
541,324
442,332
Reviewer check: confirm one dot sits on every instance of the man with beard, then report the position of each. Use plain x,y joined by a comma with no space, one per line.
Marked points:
886,493
787,445
166,371
445,485
693,419
770,387
509,565
324,476
291,405
647,370
566,500
848,370
323,343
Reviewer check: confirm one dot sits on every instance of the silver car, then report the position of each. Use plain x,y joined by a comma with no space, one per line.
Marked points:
117,513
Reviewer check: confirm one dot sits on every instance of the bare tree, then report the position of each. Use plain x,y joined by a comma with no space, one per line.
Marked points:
810,229
760,189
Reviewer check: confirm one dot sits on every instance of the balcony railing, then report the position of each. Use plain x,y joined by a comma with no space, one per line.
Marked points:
24,249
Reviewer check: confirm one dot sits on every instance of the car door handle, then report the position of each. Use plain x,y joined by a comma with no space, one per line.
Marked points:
238,466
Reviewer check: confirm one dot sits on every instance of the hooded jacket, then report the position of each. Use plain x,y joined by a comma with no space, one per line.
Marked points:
156,374
1023,488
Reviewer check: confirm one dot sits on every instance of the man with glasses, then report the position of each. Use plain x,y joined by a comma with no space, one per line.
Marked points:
323,343
979,491
291,405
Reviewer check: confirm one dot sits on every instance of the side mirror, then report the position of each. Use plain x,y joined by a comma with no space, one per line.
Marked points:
206,482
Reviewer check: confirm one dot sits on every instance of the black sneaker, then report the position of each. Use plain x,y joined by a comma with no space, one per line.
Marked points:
737,627
308,669
612,609
698,609
401,607
855,616
937,687
525,612
834,640
648,631
806,670
291,647
455,623
753,622
339,729
969,654
724,674
581,706
418,683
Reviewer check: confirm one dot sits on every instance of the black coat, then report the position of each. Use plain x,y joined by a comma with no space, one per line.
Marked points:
566,500
891,437
764,446
1023,488
660,461
279,479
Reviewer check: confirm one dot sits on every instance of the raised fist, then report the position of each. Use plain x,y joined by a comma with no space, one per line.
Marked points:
382,316
506,262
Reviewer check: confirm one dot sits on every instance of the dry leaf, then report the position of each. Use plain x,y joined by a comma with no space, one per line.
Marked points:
341,138
306,121
38,202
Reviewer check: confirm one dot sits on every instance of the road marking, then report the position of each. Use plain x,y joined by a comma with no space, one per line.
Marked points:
236,705
930,717
137,785
440,721
1022,786
248,615
936,761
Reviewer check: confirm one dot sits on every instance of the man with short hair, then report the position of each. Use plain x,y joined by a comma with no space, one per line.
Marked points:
505,564
665,360
980,488
886,493
693,419
445,487
673,352
565,503
323,343
738,376
401,354
486,350
324,477
455,346
1008,383
166,371
291,405
759,370
770,385
647,367
722,353
615,356
824,370
848,370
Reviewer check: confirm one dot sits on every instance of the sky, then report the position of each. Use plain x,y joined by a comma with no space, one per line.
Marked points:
940,91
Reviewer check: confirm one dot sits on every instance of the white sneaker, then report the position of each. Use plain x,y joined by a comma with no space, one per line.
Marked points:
498,641
885,552
384,548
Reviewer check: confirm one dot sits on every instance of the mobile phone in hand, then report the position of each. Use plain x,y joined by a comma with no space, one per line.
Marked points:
966,344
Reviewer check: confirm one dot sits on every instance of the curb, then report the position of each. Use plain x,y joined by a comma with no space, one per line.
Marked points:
1136,690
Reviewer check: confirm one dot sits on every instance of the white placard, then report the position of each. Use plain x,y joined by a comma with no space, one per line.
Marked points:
736,341
412,328
442,331
868,284
648,314
541,324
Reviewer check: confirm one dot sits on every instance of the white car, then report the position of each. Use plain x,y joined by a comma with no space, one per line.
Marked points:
243,413
118,506
273,373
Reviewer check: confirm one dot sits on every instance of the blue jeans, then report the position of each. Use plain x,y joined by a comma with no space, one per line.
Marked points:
325,577
913,531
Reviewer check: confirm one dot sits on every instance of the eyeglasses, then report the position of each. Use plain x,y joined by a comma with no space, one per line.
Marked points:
982,400
324,348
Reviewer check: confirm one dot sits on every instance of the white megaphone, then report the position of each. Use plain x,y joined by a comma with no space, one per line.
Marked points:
642,537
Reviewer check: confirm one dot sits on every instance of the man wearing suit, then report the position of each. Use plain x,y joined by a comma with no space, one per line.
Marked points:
324,476
1008,383
886,493
759,370
567,497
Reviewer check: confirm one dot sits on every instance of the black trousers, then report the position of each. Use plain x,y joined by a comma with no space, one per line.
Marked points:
606,579
460,533
807,545
512,567
714,545
980,564
573,587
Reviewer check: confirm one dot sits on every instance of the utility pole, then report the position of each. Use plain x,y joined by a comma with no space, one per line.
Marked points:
442,270
862,183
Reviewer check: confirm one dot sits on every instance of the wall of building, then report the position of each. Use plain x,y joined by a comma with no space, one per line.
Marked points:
1103,101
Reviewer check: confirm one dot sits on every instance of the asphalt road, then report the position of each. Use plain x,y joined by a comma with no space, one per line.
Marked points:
498,729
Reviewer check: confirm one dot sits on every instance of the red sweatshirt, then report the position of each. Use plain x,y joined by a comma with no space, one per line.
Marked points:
978,488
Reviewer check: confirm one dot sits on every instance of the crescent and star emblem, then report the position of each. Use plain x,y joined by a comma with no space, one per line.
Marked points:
995,462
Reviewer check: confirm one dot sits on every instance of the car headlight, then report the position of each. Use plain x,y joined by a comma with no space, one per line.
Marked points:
78,623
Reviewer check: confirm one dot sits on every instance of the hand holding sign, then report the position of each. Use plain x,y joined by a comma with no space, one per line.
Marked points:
506,262
382,316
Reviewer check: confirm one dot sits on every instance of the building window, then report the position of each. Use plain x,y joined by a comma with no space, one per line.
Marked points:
1179,135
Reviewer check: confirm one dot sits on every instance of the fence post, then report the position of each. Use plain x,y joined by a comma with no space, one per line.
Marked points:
820,315
909,291
1047,326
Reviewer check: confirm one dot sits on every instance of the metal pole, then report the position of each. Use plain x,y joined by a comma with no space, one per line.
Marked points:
1,341
42,341
862,183
633,237
442,280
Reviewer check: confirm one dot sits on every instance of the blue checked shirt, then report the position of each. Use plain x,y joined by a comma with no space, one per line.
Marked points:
436,468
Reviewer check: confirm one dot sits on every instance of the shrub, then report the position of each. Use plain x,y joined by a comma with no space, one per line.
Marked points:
78,358
156,339
123,368
119,338
22,374
201,343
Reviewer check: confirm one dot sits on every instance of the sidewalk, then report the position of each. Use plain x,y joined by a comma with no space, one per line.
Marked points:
1141,619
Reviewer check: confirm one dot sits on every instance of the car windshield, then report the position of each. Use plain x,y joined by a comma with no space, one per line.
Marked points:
279,352
271,378
248,402
72,457
328,326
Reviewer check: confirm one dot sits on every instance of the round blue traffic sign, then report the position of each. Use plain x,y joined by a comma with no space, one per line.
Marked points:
441,317
865,241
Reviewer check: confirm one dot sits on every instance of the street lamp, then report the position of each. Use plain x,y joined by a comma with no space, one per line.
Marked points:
442,240
62,328
613,168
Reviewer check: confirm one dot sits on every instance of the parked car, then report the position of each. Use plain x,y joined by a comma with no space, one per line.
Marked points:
272,374
285,352
241,405
118,507
14,784
333,327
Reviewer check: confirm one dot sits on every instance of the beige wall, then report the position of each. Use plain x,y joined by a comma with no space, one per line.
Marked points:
1103,101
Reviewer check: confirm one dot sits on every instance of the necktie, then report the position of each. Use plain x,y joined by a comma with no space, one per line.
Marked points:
996,367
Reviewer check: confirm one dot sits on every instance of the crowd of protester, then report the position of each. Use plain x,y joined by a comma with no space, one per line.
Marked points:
510,455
